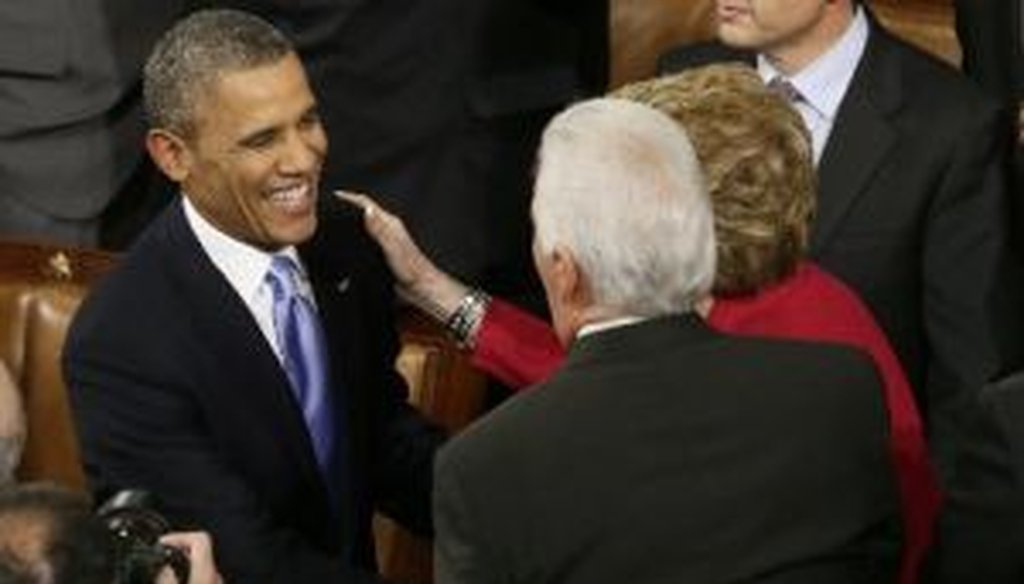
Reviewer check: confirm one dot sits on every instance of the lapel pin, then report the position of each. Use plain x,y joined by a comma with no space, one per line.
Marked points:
343,284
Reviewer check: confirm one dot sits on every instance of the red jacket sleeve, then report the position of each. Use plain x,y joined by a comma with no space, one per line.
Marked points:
515,346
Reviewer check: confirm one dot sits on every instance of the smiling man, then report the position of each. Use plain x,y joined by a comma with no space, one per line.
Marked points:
912,209
239,363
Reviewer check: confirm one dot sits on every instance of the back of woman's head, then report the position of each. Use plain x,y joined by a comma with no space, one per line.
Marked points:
757,158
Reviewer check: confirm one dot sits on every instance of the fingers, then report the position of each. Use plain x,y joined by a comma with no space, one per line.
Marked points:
368,205
378,221
381,224
198,546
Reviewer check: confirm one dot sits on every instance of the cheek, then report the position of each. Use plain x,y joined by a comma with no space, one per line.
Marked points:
318,141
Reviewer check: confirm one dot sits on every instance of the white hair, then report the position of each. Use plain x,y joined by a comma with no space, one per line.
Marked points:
619,185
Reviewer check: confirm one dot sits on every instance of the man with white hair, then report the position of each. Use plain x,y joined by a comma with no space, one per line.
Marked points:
661,451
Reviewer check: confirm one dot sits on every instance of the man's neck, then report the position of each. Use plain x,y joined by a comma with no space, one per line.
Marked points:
792,55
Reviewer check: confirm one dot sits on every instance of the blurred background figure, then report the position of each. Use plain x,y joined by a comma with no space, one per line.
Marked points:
12,426
49,535
912,199
72,162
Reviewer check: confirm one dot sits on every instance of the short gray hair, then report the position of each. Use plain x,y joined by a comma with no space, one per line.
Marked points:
619,185
190,56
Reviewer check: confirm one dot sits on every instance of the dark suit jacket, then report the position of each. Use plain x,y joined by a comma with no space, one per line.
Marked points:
981,536
990,33
436,107
175,390
912,214
665,452
71,123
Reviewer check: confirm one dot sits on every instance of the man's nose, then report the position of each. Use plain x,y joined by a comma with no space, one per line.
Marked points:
302,153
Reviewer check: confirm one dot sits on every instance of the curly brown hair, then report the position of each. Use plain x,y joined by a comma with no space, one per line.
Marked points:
758,163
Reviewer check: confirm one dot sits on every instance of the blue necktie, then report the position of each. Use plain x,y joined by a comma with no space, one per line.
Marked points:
301,341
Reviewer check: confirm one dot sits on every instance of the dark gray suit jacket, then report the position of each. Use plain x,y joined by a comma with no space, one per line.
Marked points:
665,452
912,213
174,389
71,124
981,530
991,33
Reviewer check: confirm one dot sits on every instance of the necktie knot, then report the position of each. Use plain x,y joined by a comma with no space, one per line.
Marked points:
785,88
283,277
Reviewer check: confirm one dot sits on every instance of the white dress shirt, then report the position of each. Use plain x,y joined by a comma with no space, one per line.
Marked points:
823,82
245,267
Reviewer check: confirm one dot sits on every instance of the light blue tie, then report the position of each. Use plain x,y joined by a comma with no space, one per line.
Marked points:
301,341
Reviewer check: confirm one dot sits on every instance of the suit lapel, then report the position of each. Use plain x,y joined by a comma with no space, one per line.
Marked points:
336,286
861,138
235,343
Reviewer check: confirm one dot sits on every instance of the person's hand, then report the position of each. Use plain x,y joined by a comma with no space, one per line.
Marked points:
404,257
198,548
418,279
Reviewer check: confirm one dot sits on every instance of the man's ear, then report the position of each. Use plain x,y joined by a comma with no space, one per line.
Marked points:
170,153
570,285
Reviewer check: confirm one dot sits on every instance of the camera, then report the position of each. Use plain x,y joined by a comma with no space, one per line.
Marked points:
135,528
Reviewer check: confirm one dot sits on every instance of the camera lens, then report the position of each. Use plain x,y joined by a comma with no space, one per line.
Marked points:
135,528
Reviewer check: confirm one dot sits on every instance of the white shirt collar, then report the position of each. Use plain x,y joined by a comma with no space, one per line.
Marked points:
604,325
243,265
823,82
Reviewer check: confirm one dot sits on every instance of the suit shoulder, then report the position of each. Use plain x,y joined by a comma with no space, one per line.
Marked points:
137,293
837,372
930,80
503,435
817,354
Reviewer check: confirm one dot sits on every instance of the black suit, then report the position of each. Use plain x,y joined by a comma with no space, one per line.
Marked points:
912,214
981,536
990,33
175,390
665,452
437,105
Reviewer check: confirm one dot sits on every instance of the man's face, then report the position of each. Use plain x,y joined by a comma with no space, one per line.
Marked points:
253,161
768,25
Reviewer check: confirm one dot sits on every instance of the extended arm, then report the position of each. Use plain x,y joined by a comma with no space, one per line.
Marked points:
508,342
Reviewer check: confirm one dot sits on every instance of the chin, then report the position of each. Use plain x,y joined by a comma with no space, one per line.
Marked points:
736,36
297,233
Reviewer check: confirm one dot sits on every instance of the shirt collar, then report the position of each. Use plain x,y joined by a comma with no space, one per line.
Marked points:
243,265
823,82
604,325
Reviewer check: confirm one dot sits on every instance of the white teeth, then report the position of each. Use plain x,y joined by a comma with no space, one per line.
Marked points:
289,194
291,197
